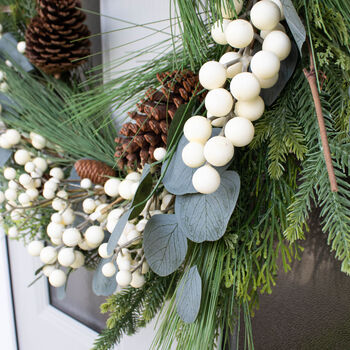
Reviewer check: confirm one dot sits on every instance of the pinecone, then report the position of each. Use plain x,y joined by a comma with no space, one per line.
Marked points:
94,170
55,37
149,128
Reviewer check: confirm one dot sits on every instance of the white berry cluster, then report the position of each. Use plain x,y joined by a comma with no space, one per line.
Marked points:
129,256
234,110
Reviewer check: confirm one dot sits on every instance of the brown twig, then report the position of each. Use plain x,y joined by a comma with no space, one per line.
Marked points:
311,77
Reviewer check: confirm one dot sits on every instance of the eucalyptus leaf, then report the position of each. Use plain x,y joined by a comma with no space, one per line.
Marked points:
5,155
164,244
182,114
295,24
178,176
143,191
117,232
102,285
188,295
8,46
204,217
287,69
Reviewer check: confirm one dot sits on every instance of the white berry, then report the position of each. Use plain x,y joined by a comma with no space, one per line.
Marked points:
159,153
251,110
58,204
22,157
137,280
51,185
240,131
57,278
12,232
68,216
71,237
11,194
265,15
268,83
24,199
48,255
218,31
21,47
102,251
57,173
218,151
197,129
219,102
40,163
206,179
89,205
125,189
56,218
84,245
47,269
29,167
9,173
111,187
79,260
13,136
35,247
4,88
4,142
13,184
244,86
133,176
278,43
85,183
108,269
94,235
265,64
66,256
265,33
212,75
123,278
62,194
48,194
124,264
234,69
115,214
239,33
193,154
279,4
227,12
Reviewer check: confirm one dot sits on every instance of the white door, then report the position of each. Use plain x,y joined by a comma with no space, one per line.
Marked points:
28,320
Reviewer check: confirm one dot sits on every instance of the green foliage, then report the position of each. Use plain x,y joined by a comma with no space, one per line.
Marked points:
132,309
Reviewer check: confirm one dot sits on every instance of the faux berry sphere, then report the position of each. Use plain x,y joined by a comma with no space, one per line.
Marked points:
228,12
79,260
56,218
89,206
9,173
40,163
233,70
102,251
206,179
21,47
137,280
193,154
68,216
278,43
48,255
240,131
48,194
133,176
219,102
58,204
124,265
111,187
57,278
94,235
35,247
109,269
24,199
197,129
13,136
71,237
57,173
251,110
219,122
85,184
265,15
265,64
268,83
115,214
12,232
218,31
245,86
159,153
47,269
22,157
25,180
66,257
3,140
239,33
125,189
265,33
218,151
29,167
11,194
280,6
212,75
123,278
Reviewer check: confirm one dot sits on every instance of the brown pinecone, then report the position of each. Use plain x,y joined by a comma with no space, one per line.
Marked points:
55,37
149,128
94,170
